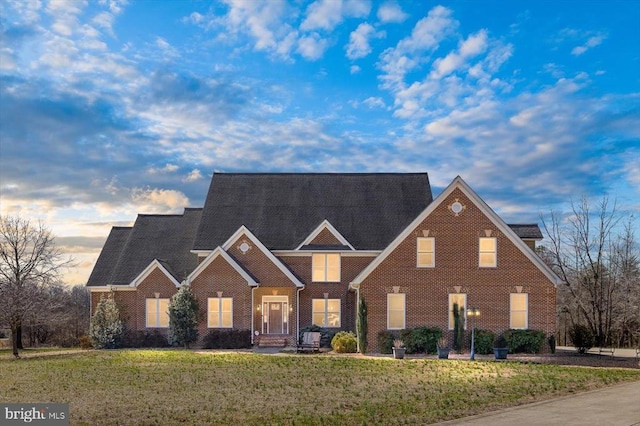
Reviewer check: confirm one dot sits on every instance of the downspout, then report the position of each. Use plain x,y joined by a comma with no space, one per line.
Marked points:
298,313
252,314
357,287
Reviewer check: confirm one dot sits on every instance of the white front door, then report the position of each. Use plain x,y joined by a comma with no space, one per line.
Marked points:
275,315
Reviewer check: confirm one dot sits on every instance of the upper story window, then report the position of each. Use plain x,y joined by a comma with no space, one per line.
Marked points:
426,252
488,257
157,313
326,267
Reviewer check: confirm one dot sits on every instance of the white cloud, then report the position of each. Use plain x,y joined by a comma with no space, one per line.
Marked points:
407,55
472,46
156,200
359,46
391,12
193,176
312,46
168,168
326,14
353,69
374,102
591,42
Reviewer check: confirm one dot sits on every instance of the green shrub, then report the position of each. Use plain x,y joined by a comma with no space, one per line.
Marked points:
500,342
183,318
344,342
385,342
484,341
326,335
527,341
227,339
361,327
144,339
552,343
458,328
581,337
106,327
421,339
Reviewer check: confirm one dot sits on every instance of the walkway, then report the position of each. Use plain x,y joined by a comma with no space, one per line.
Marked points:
614,406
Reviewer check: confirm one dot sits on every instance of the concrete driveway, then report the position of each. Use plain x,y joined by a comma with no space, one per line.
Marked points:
614,406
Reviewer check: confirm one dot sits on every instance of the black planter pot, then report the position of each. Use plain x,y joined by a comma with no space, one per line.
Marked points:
398,353
500,353
443,353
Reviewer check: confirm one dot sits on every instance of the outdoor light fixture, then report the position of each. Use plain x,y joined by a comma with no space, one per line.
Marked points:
473,312
258,308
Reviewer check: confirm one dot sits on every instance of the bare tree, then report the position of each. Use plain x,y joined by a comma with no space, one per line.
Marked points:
29,262
596,264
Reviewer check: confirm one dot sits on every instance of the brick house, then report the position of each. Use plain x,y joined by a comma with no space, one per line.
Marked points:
273,253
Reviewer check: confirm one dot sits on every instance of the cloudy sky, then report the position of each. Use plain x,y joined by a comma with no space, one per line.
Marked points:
111,108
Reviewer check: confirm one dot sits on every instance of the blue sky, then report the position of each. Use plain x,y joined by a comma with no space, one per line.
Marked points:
112,108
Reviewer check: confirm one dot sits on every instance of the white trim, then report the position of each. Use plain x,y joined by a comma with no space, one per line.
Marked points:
459,183
404,317
211,257
149,269
257,243
110,288
325,225
343,253
286,312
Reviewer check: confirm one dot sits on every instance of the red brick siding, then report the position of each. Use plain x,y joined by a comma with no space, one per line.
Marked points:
456,264
220,276
325,237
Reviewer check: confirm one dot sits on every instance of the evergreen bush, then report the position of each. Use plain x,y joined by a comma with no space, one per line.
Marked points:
344,342
227,339
458,328
484,341
106,328
361,327
183,318
385,341
421,339
581,337
524,341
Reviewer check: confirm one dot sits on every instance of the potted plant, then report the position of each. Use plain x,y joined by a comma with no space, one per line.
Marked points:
398,349
443,348
500,347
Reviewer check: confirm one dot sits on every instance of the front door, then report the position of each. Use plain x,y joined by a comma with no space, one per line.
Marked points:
276,315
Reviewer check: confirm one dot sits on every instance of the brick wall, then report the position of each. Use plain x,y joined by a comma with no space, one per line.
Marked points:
456,271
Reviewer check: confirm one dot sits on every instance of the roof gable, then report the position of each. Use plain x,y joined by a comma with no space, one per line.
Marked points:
257,243
325,226
369,209
459,183
155,264
219,252
166,238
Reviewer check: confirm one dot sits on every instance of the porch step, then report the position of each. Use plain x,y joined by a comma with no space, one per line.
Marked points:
266,341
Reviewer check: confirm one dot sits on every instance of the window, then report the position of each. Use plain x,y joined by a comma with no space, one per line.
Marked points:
519,315
488,251
396,309
326,267
220,311
326,312
426,252
157,313
461,300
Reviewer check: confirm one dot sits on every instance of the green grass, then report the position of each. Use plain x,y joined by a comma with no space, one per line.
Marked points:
174,386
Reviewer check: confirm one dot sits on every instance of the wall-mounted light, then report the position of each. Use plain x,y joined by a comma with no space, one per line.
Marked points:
258,308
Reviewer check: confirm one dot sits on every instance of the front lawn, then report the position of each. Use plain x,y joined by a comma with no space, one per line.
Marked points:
175,386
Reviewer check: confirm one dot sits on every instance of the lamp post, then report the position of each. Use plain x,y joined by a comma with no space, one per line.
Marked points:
473,312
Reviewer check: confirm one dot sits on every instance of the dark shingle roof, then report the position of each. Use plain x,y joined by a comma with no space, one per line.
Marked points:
109,256
529,231
168,238
368,209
